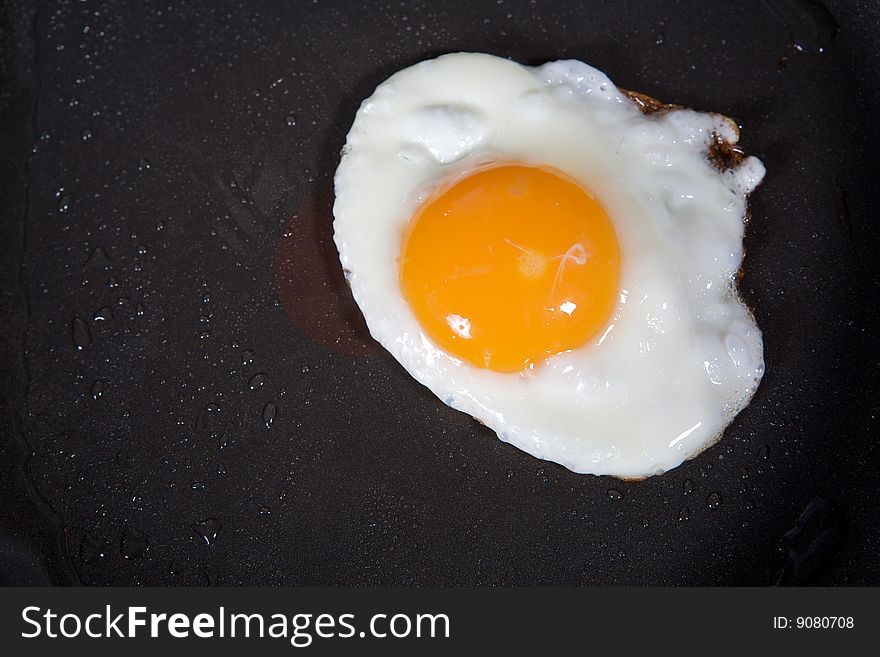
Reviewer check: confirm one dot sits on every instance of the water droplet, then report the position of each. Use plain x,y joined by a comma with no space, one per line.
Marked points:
104,314
133,544
269,412
144,164
82,337
265,510
258,380
714,500
687,486
89,550
64,202
97,389
208,530
614,494
98,257
290,120
808,547
211,575
684,514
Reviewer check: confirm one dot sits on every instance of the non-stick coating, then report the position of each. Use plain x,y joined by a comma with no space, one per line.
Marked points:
179,187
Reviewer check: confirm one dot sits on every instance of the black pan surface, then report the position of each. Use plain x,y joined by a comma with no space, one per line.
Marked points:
190,396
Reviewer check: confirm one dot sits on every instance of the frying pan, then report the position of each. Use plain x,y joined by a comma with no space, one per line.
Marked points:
191,397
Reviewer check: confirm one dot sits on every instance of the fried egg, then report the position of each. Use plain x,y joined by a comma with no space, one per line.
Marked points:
547,255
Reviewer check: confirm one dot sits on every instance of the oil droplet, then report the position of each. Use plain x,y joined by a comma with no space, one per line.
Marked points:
208,530
714,500
133,544
687,486
290,120
614,494
258,380
64,202
82,337
105,314
684,514
269,412
97,389
89,550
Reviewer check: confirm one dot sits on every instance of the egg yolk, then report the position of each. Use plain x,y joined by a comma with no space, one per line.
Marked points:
510,265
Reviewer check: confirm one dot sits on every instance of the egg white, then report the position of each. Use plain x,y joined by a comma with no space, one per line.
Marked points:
681,355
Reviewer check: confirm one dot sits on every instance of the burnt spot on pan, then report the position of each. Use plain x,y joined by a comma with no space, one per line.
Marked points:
311,283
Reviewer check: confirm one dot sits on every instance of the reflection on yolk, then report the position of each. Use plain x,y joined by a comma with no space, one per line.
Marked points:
510,265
